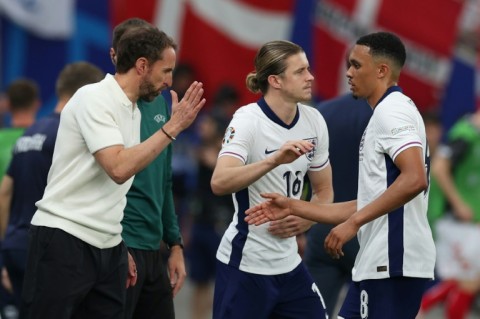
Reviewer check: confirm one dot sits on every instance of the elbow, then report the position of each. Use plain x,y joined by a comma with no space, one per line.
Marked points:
119,180
119,177
419,184
218,187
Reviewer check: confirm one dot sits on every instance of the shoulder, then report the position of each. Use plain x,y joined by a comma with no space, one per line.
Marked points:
397,98
249,111
396,105
311,113
49,122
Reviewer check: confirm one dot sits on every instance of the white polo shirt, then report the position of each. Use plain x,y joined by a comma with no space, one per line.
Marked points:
80,198
254,134
399,243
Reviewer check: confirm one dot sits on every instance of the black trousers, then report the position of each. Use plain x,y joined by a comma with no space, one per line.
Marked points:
151,297
68,278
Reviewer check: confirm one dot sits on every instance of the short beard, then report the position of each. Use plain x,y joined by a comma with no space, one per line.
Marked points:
147,92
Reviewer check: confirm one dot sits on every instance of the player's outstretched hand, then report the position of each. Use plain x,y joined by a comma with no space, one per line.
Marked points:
275,208
185,111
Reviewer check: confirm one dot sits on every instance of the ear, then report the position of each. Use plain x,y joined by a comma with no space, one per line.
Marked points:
274,81
113,56
141,65
383,70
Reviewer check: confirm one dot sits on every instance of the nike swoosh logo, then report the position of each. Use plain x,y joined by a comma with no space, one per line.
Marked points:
267,151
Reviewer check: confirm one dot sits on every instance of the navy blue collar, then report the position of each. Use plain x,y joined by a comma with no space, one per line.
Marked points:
273,117
391,89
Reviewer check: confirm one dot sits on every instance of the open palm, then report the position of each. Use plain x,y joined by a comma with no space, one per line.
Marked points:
276,207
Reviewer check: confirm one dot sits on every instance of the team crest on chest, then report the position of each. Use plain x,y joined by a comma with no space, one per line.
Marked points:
229,135
310,155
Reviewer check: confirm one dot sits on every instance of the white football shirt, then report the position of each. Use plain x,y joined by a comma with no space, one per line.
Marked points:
399,243
255,133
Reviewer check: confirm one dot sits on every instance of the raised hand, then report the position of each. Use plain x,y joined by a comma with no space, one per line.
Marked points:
185,111
274,209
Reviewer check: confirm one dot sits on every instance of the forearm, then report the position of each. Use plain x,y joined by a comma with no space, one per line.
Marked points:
229,180
398,194
122,163
323,213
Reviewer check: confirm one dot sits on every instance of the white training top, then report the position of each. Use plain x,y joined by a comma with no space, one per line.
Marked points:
80,198
399,243
254,133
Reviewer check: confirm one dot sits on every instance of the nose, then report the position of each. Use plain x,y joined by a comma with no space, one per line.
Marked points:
310,77
169,80
349,73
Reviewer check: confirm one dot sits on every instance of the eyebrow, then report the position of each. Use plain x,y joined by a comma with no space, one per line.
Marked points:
302,68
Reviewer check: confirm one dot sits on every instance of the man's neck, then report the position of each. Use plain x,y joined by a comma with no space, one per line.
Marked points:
129,84
285,110
24,119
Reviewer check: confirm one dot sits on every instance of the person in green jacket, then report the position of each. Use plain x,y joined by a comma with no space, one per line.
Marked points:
150,218
457,171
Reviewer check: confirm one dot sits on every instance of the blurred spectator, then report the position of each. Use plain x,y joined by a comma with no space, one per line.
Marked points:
26,177
3,109
22,102
456,167
436,199
225,103
436,202
211,214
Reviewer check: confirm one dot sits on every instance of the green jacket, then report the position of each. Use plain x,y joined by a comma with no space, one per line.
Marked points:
150,213
8,137
466,173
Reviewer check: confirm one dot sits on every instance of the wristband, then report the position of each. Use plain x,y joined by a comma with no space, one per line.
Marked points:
176,243
168,135
169,247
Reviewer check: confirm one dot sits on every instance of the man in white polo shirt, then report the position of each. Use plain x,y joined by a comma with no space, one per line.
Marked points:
77,265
